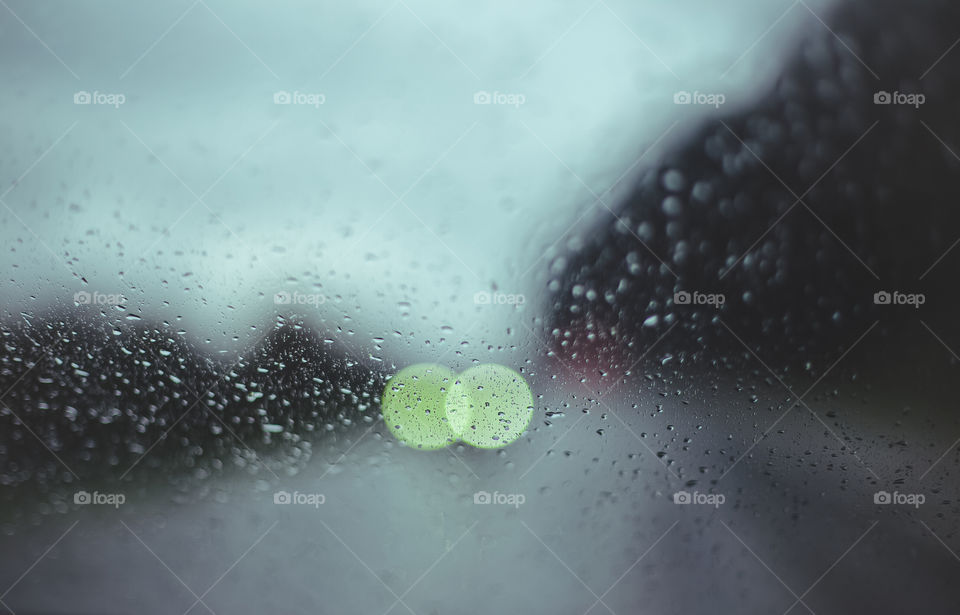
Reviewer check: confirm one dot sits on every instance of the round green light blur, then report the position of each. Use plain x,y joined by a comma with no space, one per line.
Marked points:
413,406
489,406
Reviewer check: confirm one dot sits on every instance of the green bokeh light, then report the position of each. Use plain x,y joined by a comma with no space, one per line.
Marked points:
427,406
414,403
489,406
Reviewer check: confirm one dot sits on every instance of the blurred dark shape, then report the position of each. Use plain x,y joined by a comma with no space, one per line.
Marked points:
145,407
722,211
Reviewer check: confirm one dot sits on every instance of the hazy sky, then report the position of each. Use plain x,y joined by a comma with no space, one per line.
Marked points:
382,189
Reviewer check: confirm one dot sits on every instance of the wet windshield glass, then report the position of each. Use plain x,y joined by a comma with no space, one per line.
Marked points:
400,306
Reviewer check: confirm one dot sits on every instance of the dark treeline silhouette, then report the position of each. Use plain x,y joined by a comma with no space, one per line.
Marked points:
144,406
